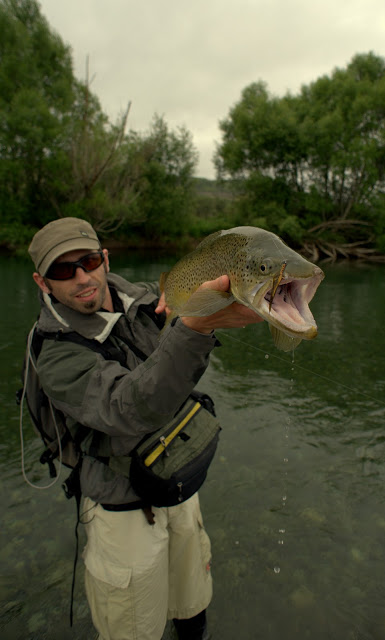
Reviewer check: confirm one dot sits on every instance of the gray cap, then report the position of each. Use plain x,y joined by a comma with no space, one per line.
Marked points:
58,237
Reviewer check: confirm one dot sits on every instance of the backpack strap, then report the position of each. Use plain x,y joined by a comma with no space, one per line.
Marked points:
107,349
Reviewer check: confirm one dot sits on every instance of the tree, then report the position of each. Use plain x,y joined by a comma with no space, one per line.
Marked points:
60,155
102,186
165,160
260,135
36,95
323,153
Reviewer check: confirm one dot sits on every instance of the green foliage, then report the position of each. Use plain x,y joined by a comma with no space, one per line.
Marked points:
35,99
343,124
309,167
313,158
260,135
290,230
164,161
59,155
16,236
201,227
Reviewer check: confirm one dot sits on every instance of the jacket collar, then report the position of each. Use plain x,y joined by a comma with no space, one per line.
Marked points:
55,316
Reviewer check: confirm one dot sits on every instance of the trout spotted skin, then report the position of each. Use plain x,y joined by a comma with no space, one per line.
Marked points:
265,275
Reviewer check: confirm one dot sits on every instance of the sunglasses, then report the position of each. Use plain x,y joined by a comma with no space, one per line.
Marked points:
67,270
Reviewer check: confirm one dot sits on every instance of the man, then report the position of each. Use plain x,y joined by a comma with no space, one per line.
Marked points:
136,575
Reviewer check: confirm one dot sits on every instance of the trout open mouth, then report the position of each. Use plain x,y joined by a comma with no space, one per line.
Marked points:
285,304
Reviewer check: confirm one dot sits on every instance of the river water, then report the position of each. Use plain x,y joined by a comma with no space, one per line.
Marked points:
294,500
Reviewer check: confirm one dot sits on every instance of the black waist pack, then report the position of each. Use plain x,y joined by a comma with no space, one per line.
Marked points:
170,465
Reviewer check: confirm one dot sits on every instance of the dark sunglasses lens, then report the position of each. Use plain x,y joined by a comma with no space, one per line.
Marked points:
92,261
67,270
61,271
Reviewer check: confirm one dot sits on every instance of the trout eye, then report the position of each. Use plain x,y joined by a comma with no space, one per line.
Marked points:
265,266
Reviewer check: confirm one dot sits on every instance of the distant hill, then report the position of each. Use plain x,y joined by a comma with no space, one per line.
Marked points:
213,189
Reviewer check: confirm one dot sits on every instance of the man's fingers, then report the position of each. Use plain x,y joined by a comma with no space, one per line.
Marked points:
219,284
248,315
161,304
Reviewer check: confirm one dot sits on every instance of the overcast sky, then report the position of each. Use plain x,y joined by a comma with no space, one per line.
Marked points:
189,60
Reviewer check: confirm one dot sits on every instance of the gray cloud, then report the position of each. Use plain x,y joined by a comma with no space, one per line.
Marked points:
190,59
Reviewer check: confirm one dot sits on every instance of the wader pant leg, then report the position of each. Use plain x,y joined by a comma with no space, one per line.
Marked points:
138,575
192,629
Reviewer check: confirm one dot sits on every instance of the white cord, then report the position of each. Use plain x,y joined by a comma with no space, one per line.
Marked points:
30,360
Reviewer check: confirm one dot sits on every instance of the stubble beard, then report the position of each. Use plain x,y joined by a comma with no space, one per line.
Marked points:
92,306
86,307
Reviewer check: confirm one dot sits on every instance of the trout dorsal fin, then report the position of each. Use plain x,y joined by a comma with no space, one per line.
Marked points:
162,280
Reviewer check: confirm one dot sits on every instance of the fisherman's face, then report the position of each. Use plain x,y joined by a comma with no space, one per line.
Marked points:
86,292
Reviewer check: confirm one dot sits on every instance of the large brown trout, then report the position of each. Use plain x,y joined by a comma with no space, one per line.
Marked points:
265,275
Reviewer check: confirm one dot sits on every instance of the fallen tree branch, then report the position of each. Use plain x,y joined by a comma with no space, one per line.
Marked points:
338,223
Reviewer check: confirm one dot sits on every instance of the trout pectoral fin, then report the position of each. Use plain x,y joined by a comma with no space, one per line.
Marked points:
282,341
206,302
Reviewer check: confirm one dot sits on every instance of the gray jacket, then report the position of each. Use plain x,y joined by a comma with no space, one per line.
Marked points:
121,404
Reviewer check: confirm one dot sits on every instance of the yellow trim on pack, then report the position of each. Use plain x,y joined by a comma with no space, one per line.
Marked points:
162,447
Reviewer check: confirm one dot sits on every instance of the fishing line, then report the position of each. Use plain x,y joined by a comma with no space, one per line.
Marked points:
30,362
277,244
298,366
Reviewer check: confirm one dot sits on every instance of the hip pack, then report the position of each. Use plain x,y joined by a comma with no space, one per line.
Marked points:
171,464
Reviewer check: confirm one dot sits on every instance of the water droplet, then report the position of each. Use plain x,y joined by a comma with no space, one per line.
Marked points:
266,356
277,569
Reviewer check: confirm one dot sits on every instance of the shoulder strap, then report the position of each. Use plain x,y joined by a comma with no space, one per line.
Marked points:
108,350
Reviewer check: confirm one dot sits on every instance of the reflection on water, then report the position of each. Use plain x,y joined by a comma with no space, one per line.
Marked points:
293,501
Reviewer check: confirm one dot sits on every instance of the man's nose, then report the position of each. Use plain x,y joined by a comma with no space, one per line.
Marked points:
81,275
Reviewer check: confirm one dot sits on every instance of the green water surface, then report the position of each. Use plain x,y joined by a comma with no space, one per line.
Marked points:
294,500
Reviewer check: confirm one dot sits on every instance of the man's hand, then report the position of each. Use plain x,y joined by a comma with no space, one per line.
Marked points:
162,305
234,316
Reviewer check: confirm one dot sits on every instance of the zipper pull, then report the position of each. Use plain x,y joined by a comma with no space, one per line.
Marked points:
180,496
164,445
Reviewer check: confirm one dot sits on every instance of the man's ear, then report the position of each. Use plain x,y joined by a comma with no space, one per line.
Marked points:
106,260
40,282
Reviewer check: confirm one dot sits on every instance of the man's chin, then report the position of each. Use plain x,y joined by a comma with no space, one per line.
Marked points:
90,307
85,307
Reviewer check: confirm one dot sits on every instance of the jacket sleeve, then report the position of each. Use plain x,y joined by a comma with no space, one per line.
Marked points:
125,404
152,287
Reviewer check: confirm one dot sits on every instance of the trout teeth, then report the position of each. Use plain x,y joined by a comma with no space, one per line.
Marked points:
276,284
282,289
